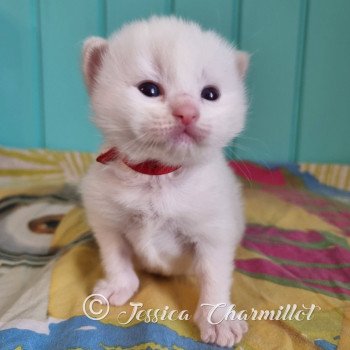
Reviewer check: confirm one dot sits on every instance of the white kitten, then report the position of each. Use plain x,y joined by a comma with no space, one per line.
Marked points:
168,96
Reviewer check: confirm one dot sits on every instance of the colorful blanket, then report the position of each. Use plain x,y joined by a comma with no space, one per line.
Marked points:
292,277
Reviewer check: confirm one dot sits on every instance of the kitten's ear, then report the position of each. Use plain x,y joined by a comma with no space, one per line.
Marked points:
93,51
242,59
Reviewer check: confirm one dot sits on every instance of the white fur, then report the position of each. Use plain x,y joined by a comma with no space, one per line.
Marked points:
188,221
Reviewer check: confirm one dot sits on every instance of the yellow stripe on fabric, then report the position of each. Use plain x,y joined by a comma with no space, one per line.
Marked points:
337,169
87,160
76,163
318,171
31,188
328,174
29,156
77,159
347,181
58,157
73,164
312,168
346,173
342,177
322,173
28,172
83,165
333,176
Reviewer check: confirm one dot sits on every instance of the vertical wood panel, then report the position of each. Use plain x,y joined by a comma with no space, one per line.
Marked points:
122,11
299,77
269,31
65,24
325,117
20,84
220,15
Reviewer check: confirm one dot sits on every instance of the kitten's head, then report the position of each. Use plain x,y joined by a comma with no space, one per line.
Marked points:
165,89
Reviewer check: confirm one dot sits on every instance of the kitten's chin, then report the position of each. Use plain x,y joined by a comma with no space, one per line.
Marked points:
184,150
182,140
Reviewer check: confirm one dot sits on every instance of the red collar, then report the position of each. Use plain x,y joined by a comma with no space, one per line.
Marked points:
149,167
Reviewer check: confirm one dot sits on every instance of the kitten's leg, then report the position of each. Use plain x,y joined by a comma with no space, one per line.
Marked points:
214,267
120,282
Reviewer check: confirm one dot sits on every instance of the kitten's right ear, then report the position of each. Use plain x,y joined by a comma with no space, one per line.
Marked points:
93,52
243,59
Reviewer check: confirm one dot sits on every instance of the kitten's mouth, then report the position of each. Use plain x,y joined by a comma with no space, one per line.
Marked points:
188,135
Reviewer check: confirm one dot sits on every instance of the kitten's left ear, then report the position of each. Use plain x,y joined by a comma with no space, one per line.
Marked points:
242,59
93,53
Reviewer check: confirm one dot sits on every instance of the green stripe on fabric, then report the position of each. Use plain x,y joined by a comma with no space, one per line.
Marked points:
295,284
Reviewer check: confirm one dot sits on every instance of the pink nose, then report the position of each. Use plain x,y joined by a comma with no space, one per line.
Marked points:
187,113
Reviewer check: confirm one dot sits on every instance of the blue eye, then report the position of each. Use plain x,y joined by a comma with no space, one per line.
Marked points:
149,89
210,93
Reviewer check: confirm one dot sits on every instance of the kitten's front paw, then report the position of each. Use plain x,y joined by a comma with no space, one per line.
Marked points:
118,293
226,333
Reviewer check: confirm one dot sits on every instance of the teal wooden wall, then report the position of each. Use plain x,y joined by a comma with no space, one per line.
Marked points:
299,78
